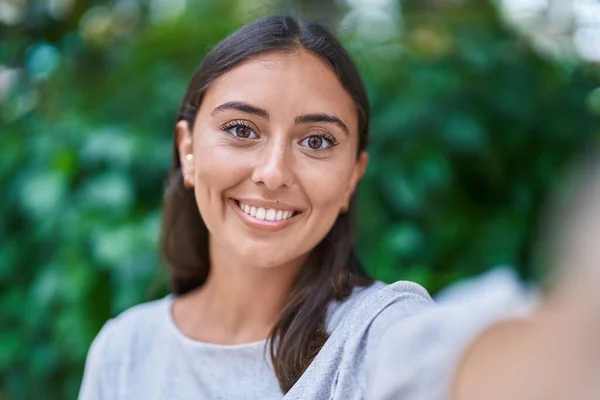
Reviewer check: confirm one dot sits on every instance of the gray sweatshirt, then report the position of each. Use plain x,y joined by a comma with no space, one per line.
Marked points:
141,354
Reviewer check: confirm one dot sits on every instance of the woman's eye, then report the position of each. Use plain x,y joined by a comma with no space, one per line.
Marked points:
242,132
316,142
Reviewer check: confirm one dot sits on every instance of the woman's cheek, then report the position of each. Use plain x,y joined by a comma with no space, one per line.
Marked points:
327,187
218,165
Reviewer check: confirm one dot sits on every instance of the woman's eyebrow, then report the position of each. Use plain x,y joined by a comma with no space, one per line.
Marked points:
261,112
241,106
322,118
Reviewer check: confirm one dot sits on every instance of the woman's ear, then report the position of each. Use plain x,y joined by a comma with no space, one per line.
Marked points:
186,152
361,166
359,171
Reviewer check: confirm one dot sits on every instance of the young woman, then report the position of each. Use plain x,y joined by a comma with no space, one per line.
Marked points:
269,299
268,295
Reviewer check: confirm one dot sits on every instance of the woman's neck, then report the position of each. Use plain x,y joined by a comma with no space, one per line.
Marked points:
238,303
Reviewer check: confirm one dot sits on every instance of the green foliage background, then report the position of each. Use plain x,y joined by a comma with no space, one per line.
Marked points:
471,127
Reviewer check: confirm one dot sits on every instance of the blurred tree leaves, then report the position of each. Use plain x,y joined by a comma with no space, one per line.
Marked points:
470,129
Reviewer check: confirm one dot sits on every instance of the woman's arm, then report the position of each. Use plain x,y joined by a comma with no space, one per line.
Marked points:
553,354
489,340
484,347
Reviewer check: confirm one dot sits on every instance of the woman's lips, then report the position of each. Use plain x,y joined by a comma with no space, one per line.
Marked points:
264,217
266,213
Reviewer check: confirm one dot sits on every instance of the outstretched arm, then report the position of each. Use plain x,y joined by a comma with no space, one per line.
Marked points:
485,346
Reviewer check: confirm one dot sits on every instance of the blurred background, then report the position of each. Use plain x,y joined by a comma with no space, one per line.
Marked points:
478,106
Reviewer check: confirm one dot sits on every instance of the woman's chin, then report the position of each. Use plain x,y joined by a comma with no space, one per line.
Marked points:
263,257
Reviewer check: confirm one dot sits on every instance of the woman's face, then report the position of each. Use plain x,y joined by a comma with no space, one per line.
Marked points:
273,157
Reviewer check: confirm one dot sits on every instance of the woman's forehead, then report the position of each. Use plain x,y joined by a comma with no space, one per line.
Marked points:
286,84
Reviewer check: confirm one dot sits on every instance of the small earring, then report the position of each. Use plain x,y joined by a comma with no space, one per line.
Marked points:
189,157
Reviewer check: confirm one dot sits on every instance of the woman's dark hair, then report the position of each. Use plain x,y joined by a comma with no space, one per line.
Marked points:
332,269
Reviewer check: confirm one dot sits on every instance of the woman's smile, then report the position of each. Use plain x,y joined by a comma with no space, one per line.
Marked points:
259,214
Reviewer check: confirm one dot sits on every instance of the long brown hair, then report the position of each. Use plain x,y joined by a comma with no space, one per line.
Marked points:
332,270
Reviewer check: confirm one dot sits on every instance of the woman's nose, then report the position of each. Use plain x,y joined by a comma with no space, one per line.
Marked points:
273,168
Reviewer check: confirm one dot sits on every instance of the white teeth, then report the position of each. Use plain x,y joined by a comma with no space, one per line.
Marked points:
268,214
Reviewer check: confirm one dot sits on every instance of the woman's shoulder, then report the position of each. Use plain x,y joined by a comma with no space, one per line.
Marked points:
144,314
401,290
380,295
133,327
432,342
368,302
124,345
355,325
